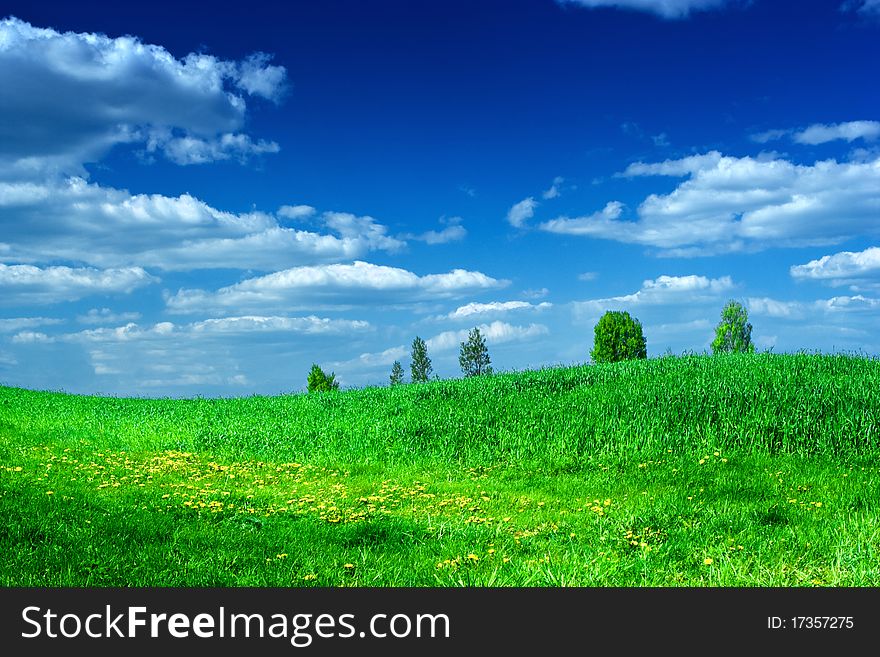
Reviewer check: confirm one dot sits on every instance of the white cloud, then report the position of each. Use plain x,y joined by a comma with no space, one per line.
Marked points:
730,204
194,150
856,269
108,227
588,276
819,133
865,7
26,284
78,94
495,308
448,234
670,9
683,167
17,323
296,211
664,290
338,285
769,135
494,333
214,327
554,191
453,232
808,309
30,337
521,212
258,78
369,360
252,323
538,293
106,316
589,225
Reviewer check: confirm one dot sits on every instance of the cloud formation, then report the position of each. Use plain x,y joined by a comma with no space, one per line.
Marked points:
28,285
106,227
821,133
859,269
669,9
339,285
661,291
729,204
521,212
79,94
495,308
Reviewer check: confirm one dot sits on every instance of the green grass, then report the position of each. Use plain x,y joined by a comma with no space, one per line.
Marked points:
754,470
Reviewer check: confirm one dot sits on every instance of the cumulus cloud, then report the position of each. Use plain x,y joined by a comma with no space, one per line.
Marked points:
730,204
820,133
186,150
669,9
554,191
495,308
79,94
588,225
453,232
214,327
807,309
521,212
26,284
339,285
664,290
106,316
296,212
869,8
495,333
108,227
856,269
13,324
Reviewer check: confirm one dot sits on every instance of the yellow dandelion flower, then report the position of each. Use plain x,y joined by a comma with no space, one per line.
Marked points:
348,566
491,551
50,492
506,559
473,557
310,578
17,469
707,561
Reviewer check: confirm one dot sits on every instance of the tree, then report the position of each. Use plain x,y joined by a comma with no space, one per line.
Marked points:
396,373
473,357
421,364
733,333
319,381
618,337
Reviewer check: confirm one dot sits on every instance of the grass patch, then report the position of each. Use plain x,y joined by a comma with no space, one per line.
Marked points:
752,470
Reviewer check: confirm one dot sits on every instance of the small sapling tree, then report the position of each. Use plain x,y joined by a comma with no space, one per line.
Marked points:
320,381
396,377
473,356
733,333
421,364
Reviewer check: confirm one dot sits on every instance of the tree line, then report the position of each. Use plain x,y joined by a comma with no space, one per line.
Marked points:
617,336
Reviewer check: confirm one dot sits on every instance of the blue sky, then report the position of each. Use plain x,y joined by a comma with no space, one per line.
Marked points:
197,203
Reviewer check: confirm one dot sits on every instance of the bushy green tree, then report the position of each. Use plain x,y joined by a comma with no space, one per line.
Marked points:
320,381
396,377
733,333
421,364
618,337
473,356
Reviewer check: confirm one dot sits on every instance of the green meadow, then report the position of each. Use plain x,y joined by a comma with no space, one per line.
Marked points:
726,470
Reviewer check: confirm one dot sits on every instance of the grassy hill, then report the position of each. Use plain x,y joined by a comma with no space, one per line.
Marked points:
735,470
